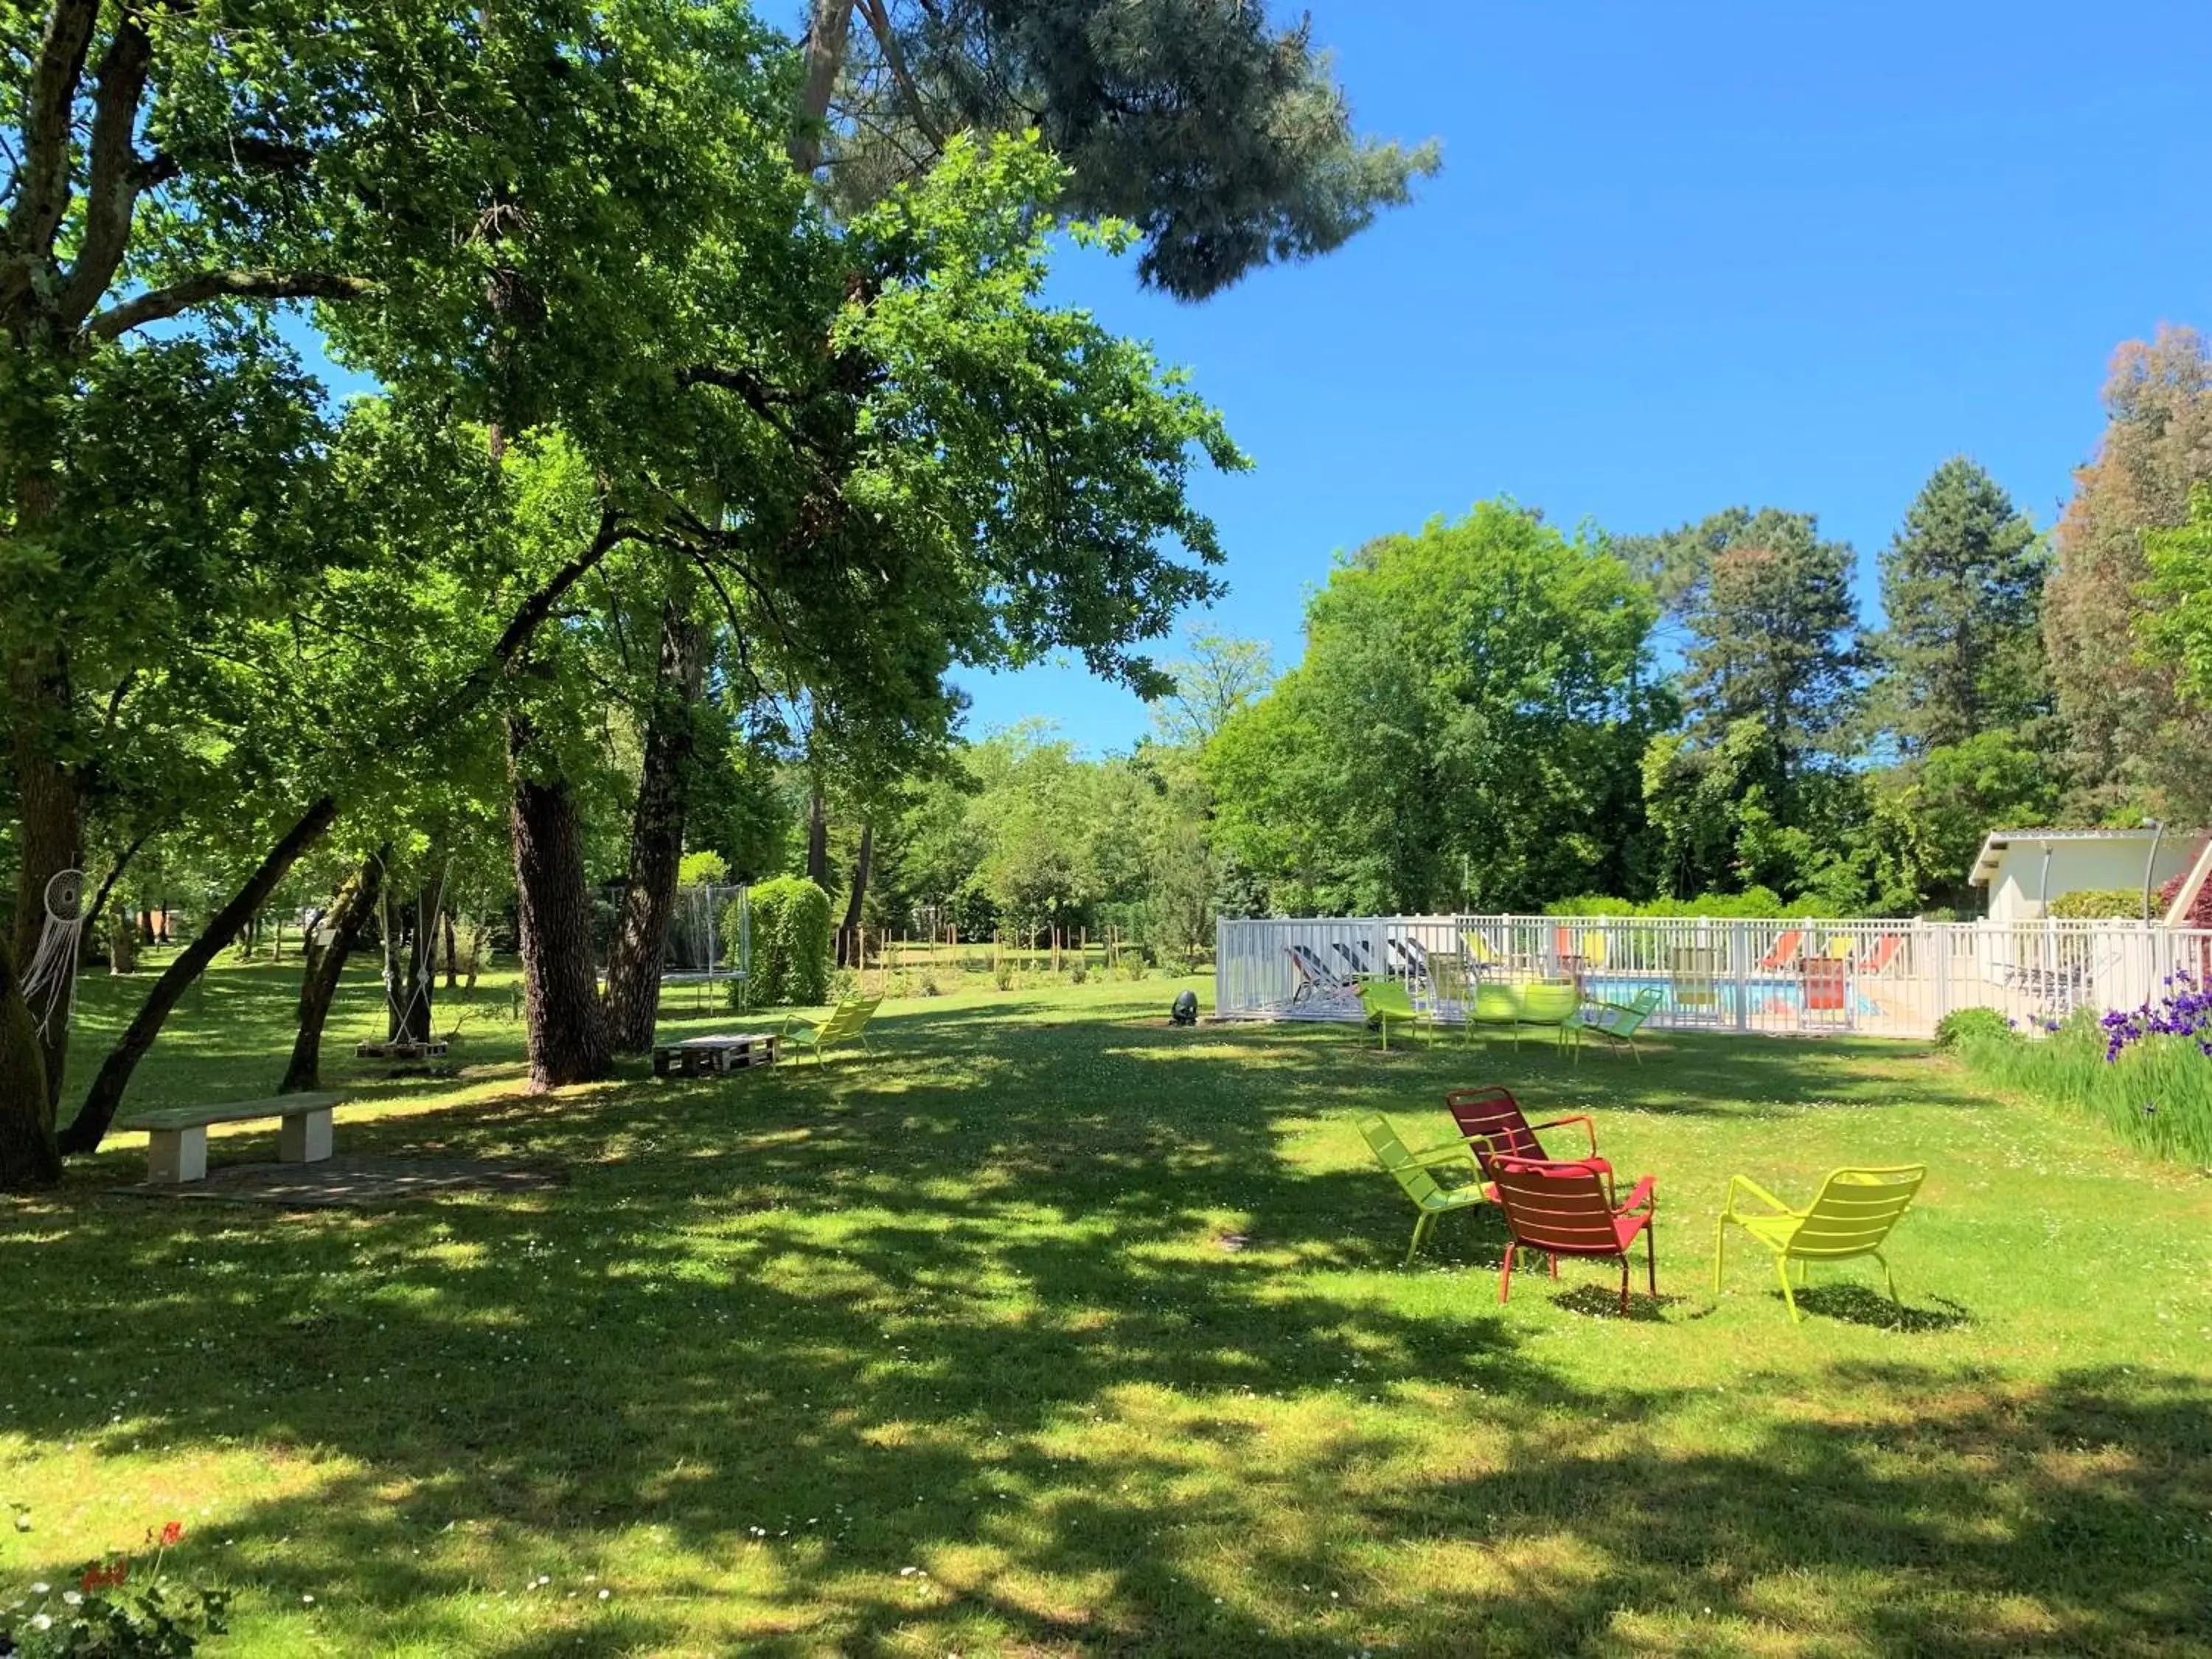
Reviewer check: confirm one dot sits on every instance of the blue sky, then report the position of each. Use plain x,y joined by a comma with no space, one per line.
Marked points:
1682,256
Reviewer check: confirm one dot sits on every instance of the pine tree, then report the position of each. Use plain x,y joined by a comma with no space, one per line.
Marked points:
1962,585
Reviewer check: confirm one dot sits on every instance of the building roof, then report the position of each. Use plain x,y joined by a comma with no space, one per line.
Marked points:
1995,844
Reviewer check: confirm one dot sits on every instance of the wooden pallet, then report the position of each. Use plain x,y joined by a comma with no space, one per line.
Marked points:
716,1053
402,1049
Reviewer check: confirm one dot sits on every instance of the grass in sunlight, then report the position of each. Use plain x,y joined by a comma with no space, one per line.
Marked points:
1052,1329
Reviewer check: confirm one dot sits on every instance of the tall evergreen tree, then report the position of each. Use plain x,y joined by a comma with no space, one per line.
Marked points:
1771,623
1962,585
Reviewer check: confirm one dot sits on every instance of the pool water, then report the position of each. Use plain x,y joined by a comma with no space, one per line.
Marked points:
1768,994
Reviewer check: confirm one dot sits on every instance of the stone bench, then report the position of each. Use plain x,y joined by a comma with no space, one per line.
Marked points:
177,1136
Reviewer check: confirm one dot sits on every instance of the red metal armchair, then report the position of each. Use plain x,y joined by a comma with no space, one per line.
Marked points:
1494,1125
1567,1209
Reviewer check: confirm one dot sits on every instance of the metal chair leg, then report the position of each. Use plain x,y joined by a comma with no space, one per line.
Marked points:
1782,1272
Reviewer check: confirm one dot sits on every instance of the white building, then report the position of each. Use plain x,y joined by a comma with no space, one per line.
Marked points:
2026,870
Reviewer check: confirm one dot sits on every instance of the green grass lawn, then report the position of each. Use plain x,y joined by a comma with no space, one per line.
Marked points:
948,1350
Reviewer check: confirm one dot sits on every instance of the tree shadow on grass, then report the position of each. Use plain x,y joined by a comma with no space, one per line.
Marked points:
990,1332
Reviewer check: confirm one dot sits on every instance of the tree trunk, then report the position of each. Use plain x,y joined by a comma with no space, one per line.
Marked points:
106,1094
656,835
848,936
817,841
828,24
122,944
146,929
452,950
325,965
29,1156
553,906
52,841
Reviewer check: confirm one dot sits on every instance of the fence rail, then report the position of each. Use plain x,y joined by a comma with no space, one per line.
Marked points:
1880,978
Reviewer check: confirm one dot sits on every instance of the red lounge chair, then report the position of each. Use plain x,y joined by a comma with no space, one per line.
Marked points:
1823,979
1567,1209
1786,950
1885,951
1493,1124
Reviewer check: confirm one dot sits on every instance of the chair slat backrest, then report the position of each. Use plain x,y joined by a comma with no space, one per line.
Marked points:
1386,998
1495,1001
1316,968
1855,1211
849,1016
1557,1207
1494,1114
1545,1003
1391,1153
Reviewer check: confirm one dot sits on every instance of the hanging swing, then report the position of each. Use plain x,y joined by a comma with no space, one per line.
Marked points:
404,994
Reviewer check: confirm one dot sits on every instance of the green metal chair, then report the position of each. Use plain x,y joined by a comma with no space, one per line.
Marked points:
1414,1170
1492,1004
1617,1022
1552,1003
1851,1216
1385,1000
846,1023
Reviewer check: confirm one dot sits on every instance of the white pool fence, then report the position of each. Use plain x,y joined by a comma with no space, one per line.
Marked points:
1879,978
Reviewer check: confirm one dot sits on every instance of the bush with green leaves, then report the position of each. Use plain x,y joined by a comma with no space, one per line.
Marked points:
790,936
1964,1024
107,1615
2099,904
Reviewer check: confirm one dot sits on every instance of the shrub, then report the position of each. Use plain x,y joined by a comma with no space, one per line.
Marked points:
1973,1024
791,943
2099,903
1077,972
1003,976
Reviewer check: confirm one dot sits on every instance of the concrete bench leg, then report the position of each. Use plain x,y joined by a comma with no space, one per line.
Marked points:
305,1137
175,1156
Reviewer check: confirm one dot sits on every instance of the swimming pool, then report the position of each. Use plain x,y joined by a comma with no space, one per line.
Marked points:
1770,994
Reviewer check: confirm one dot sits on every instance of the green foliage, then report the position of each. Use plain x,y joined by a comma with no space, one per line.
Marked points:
2156,1096
2094,903
2118,629
1771,634
791,940
695,869
1464,728
1963,1025
1752,904
1280,174
1962,587
2178,632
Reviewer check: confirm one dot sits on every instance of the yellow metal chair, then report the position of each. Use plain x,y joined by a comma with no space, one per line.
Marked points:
1851,1216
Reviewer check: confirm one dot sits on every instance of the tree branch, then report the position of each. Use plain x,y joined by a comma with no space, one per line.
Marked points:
37,216
207,285
879,23
111,195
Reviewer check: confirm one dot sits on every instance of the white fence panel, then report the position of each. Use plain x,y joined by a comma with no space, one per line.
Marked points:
1885,978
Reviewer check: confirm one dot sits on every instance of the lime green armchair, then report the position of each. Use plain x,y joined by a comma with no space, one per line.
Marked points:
1549,1003
1416,1169
1851,1216
1387,1002
1617,1022
848,1022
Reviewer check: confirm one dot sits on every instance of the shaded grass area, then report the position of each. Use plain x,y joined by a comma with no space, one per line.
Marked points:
1051,1330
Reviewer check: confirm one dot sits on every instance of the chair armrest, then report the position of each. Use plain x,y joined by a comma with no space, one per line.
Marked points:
1583,1118
791,1022
1757,1191
1443,1151
1645,1196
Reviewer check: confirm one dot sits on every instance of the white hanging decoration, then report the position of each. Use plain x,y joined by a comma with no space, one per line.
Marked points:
51,977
